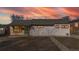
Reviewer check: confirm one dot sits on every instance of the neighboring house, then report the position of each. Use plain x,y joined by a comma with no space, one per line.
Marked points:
2,29
74,27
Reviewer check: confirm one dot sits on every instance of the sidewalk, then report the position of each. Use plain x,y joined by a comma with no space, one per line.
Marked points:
71,36
75,36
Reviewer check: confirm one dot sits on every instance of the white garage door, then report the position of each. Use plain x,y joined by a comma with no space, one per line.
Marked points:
48,31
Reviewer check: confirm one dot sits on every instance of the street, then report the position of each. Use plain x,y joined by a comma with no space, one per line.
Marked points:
39,44
28,44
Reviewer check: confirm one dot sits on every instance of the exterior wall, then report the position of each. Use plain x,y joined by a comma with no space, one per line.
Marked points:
77,26
63,30
15,33
50,30
74,27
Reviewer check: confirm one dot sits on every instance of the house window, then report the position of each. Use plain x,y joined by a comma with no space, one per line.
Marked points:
56,25
17,29
62,26
65,26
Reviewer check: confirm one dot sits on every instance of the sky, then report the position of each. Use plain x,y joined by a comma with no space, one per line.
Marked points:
37,12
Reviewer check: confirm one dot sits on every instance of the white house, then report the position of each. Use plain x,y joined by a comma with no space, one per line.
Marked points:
44,27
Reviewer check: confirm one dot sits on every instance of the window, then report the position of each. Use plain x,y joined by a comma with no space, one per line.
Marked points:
62,26
65,26
56,25
17,29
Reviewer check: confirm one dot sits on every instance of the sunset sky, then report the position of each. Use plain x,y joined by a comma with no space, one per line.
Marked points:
32,12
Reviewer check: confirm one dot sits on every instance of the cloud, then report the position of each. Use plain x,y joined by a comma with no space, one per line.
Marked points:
49,12
71,11
5,20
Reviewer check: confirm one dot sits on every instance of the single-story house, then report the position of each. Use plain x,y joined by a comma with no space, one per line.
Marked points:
42,27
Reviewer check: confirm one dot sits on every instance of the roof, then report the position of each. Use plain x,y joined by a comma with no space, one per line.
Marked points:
48,21
20,22
43,22
74,21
